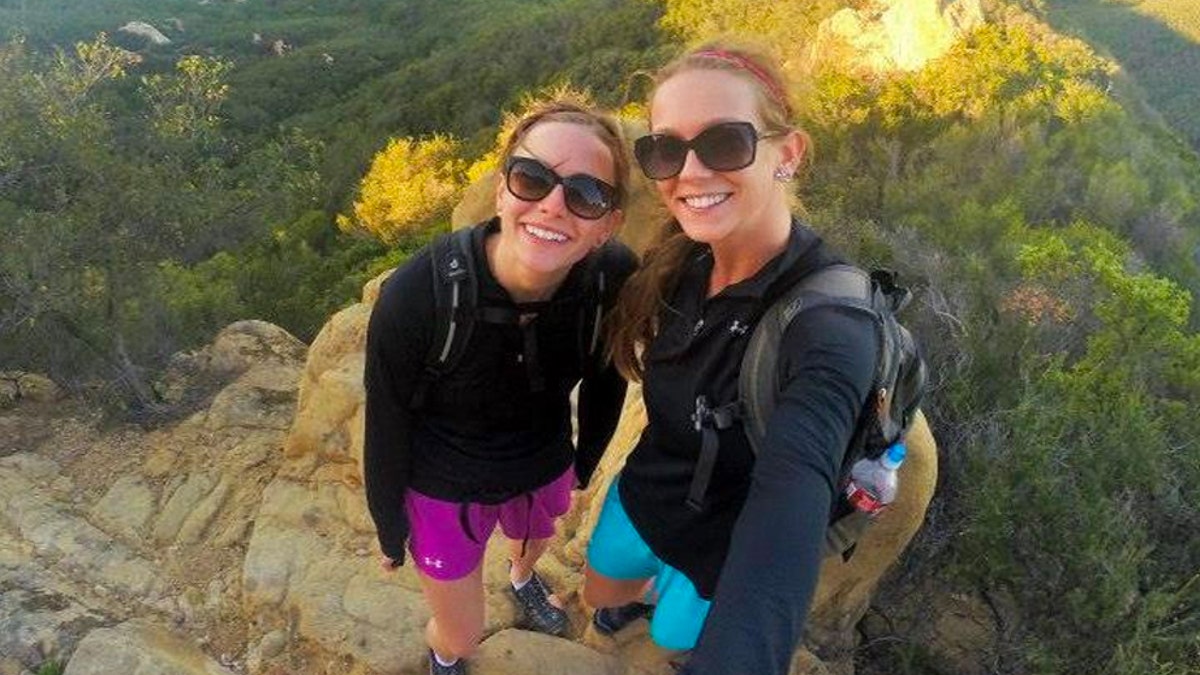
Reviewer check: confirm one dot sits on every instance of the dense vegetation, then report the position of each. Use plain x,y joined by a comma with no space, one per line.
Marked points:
1143,35
1050,227
186,185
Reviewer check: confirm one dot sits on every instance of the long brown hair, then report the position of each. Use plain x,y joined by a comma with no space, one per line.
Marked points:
571,108
635,320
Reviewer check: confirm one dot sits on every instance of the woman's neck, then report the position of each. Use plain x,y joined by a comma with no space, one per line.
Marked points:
742,254
522,283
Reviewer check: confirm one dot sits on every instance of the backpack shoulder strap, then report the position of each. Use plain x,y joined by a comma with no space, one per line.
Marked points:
455,295
593,306
758,383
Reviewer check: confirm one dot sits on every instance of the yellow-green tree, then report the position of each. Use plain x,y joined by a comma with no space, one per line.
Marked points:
782,27
188,102
412,183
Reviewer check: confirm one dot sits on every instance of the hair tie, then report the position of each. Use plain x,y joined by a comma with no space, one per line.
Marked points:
774,89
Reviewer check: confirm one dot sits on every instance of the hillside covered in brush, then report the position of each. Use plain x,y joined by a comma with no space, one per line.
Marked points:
1030,168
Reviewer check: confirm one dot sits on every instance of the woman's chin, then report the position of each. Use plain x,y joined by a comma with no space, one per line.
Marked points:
703,230
549,259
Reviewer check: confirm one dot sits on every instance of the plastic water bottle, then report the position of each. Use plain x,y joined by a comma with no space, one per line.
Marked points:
873,482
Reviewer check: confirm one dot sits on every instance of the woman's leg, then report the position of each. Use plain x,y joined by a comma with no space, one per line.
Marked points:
524,555
456,627
620,564
602,591
449,563
529,521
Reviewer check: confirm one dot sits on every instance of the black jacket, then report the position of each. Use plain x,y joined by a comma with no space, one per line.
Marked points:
755,549
481,434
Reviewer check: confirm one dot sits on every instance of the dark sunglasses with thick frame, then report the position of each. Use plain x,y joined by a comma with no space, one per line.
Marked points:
586,196
725,146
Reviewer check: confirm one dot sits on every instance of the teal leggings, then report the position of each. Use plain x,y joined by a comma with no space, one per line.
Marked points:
617,551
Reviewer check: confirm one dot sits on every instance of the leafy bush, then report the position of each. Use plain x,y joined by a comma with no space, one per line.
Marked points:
410,185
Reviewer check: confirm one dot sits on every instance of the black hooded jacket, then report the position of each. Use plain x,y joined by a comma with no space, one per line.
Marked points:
482,434
755,548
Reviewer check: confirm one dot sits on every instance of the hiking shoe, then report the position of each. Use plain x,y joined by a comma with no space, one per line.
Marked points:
540,614
609,620
679,663
435,668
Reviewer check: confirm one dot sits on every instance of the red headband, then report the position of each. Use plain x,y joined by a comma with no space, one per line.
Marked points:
769,83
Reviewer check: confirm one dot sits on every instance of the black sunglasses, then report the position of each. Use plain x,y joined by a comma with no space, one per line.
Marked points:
727,146
586,196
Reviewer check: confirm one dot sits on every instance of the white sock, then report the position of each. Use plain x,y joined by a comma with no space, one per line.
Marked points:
442,661
518,585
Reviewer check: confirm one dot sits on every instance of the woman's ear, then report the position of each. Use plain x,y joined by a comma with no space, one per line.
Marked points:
612,224
793,151
500,188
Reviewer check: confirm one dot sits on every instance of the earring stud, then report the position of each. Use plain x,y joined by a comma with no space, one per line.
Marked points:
783,174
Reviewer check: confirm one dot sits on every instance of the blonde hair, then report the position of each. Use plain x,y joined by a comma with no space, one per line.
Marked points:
634,322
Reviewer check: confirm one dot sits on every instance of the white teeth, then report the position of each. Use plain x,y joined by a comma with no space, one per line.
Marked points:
705,201
546,235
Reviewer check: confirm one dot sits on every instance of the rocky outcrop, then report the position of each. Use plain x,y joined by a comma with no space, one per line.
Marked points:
888,35
515,652
140,648
99,526
17,386
145,30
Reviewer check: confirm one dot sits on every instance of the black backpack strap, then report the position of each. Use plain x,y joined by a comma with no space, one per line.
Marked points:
708,421
591,310
758,383
455,295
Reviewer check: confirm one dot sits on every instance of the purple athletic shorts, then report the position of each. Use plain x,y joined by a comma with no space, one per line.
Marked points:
443,551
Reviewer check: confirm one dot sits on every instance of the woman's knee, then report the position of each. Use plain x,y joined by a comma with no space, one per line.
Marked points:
602,591
454,641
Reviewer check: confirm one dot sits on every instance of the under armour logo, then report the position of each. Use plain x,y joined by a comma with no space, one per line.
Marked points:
435,563
738,328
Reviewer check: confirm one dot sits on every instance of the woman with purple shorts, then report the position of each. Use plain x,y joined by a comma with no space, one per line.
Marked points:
449,454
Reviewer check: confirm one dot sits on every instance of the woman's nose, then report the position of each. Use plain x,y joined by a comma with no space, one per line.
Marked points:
555,201
692,166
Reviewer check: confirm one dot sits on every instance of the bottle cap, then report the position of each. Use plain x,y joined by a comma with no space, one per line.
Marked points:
895,455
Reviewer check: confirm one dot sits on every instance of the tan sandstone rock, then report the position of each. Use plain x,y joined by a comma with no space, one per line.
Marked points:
890,35
244,344
145,30
55,534
140,647
38,388
126,508
263,397
518,652
10,393
16,386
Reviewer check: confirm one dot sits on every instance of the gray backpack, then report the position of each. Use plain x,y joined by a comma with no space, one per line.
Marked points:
896,391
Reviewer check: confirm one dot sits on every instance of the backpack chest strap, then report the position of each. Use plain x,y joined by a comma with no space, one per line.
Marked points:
708,421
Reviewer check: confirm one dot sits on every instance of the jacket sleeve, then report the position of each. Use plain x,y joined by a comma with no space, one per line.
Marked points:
398,337
768,578
602,390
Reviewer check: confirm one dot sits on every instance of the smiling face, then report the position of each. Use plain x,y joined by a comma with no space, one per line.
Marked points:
720,207
543,236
